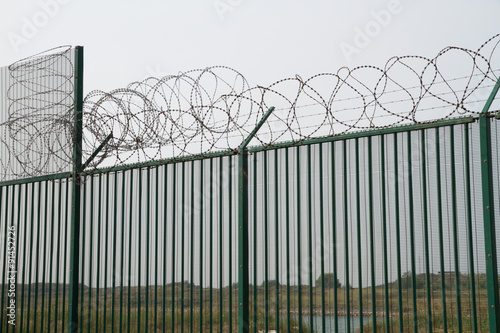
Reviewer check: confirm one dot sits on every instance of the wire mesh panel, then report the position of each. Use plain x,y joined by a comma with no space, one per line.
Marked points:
159,249
34,225
376,232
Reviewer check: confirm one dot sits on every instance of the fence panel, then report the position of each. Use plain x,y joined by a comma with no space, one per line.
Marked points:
159,249
383,230
35,218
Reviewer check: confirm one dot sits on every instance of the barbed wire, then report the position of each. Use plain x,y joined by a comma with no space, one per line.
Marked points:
212,109
215,108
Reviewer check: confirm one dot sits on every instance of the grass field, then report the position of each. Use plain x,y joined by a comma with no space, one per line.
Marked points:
198,309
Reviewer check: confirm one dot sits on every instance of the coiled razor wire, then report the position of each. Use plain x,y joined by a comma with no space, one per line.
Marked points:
213,109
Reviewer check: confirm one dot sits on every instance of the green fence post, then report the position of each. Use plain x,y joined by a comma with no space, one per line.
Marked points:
488,215
75,205
243,272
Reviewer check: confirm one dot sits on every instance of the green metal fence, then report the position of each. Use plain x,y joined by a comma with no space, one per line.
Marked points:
376,231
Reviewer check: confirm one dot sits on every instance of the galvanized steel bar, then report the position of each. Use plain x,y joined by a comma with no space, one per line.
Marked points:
455,228
440,227
372,234
309,233
201,245
266,245
191,287
322,240
276,240
412,233
358,234
334,239
426,229
384,232
75,211
398,233
299,261
4,264
255,173
287,239
470,234
488,214
346,240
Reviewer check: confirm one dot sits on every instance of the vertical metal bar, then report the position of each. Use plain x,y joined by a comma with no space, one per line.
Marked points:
412,233
334,241
91,248
165,242
287,200
24,251
75,211
358,227
139,259
398,233
4,265
31,264
426,229
346,241
211,246
322,240
201,245
309,243
37,260
115,246
44,260
243,278
131,218
122,255
191,287
148,222
18,236
106,245
384,232
157,199
372,234
455,228
98,264
266,244
18,239
469,227
276,240
183,220
174,222
51,258
489,221
255,172
299,261
84,212
440,226
58,255
221,240
66,255
230,236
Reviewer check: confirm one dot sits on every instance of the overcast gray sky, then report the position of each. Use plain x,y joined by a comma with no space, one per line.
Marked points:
128,40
